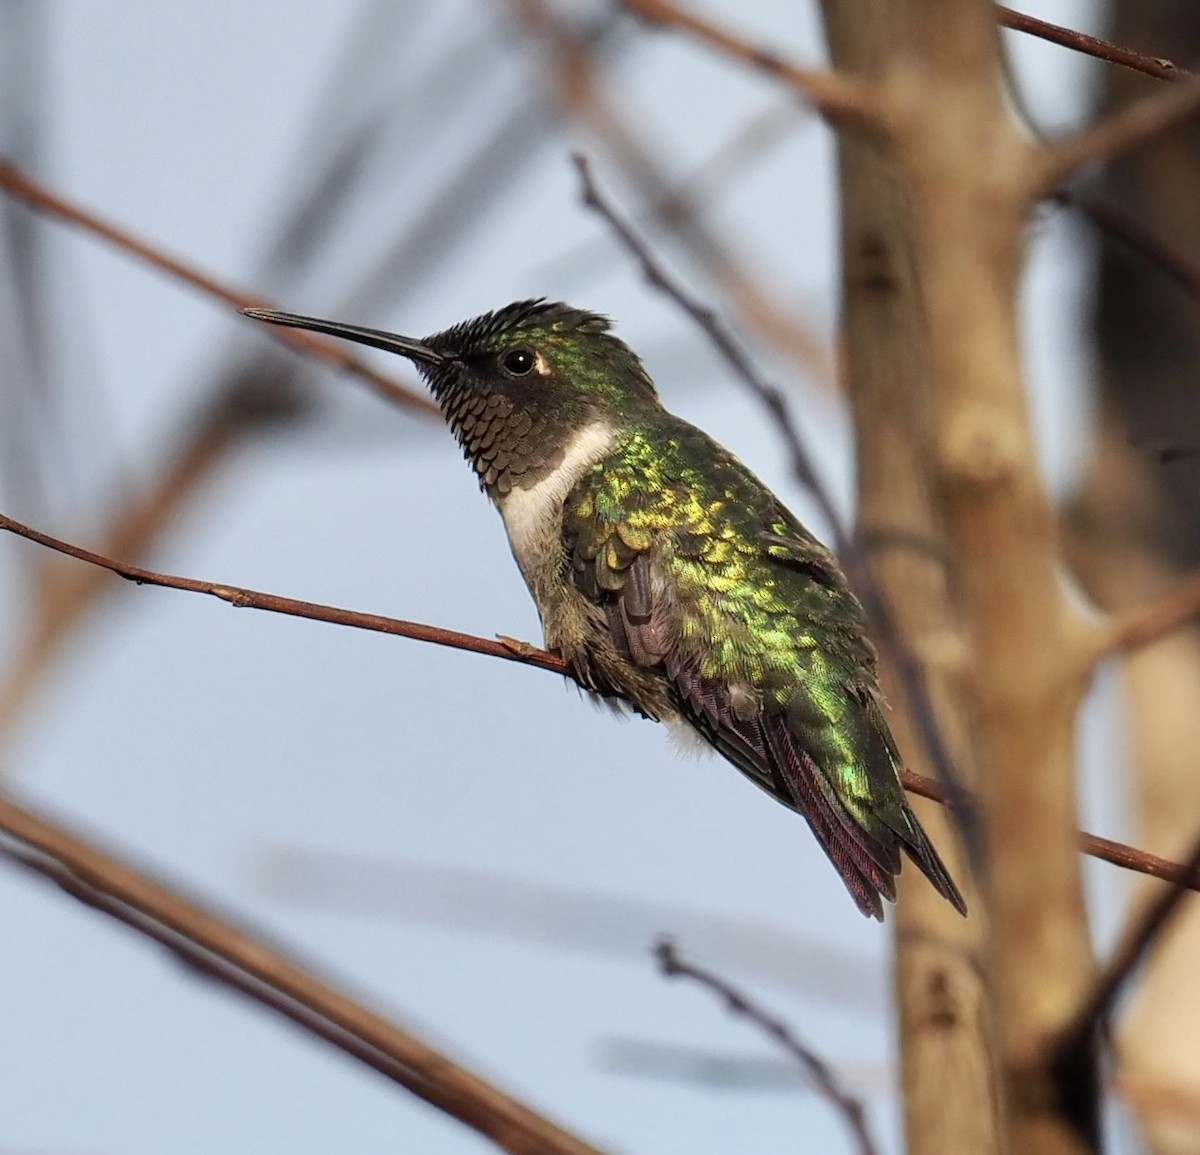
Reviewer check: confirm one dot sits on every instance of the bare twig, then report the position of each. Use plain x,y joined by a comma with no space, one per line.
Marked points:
1131,126
839,98
38,197
579,85
710,323
254,599
511,650
1098,1001
229,954
1146,624
1121,225
1154,66
824,1079
1116,853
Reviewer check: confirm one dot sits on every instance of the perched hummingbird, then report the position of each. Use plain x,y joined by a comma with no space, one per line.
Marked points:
669,577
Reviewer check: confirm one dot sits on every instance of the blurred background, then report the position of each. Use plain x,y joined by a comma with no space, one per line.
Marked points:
466,843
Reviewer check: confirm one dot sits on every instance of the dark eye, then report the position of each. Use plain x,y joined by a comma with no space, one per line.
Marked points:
518,361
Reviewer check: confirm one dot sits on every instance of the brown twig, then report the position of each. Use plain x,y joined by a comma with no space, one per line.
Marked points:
511,650
38,197
1116,853
578,84
1121,225
839,98
1096,1004
824,1079
1129,127
221,950
1145,624
1154,66
273,603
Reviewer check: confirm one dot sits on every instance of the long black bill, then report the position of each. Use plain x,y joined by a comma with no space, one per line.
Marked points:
391,342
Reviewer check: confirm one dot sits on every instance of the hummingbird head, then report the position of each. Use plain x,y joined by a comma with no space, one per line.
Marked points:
516,384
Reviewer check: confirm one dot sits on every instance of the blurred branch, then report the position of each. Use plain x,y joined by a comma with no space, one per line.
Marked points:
577,84
1143,625
39,198
566,917
1154,66
824,1080
214,946
63,594
1116,222
512,650
724,1071
713,1070
1121,131
728,163
839,98
1161,1102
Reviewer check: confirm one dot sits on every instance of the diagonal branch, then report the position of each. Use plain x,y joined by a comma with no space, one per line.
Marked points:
40,199
1154,66
1098,1001
273,603
1146,624
824,1079
524,653
230,954
839,98
1105,849
1123,130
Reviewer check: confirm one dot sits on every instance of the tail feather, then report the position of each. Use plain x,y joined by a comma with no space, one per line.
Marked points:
768,751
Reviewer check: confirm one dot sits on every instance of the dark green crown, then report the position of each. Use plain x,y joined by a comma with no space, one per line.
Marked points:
522,319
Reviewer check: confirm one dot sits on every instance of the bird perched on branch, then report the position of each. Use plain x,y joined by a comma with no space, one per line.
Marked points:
669,577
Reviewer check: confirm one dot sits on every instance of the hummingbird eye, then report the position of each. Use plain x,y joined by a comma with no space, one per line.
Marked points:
518,361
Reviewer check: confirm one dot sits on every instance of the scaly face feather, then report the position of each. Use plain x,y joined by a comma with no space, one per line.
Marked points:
516,383
670,577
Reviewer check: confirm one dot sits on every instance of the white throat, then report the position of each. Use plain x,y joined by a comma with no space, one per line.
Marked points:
533,516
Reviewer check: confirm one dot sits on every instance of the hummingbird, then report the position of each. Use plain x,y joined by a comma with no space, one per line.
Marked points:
669,577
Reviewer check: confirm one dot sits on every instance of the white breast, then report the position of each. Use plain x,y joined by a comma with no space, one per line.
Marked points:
533,516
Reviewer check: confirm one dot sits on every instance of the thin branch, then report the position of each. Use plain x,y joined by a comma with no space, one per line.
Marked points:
1133,125
507,648
524,653
223,951
1121,225
1146,624
40,199
1154,66
709,322
1096,1004
824,1079
1117,853
579,85
839,98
